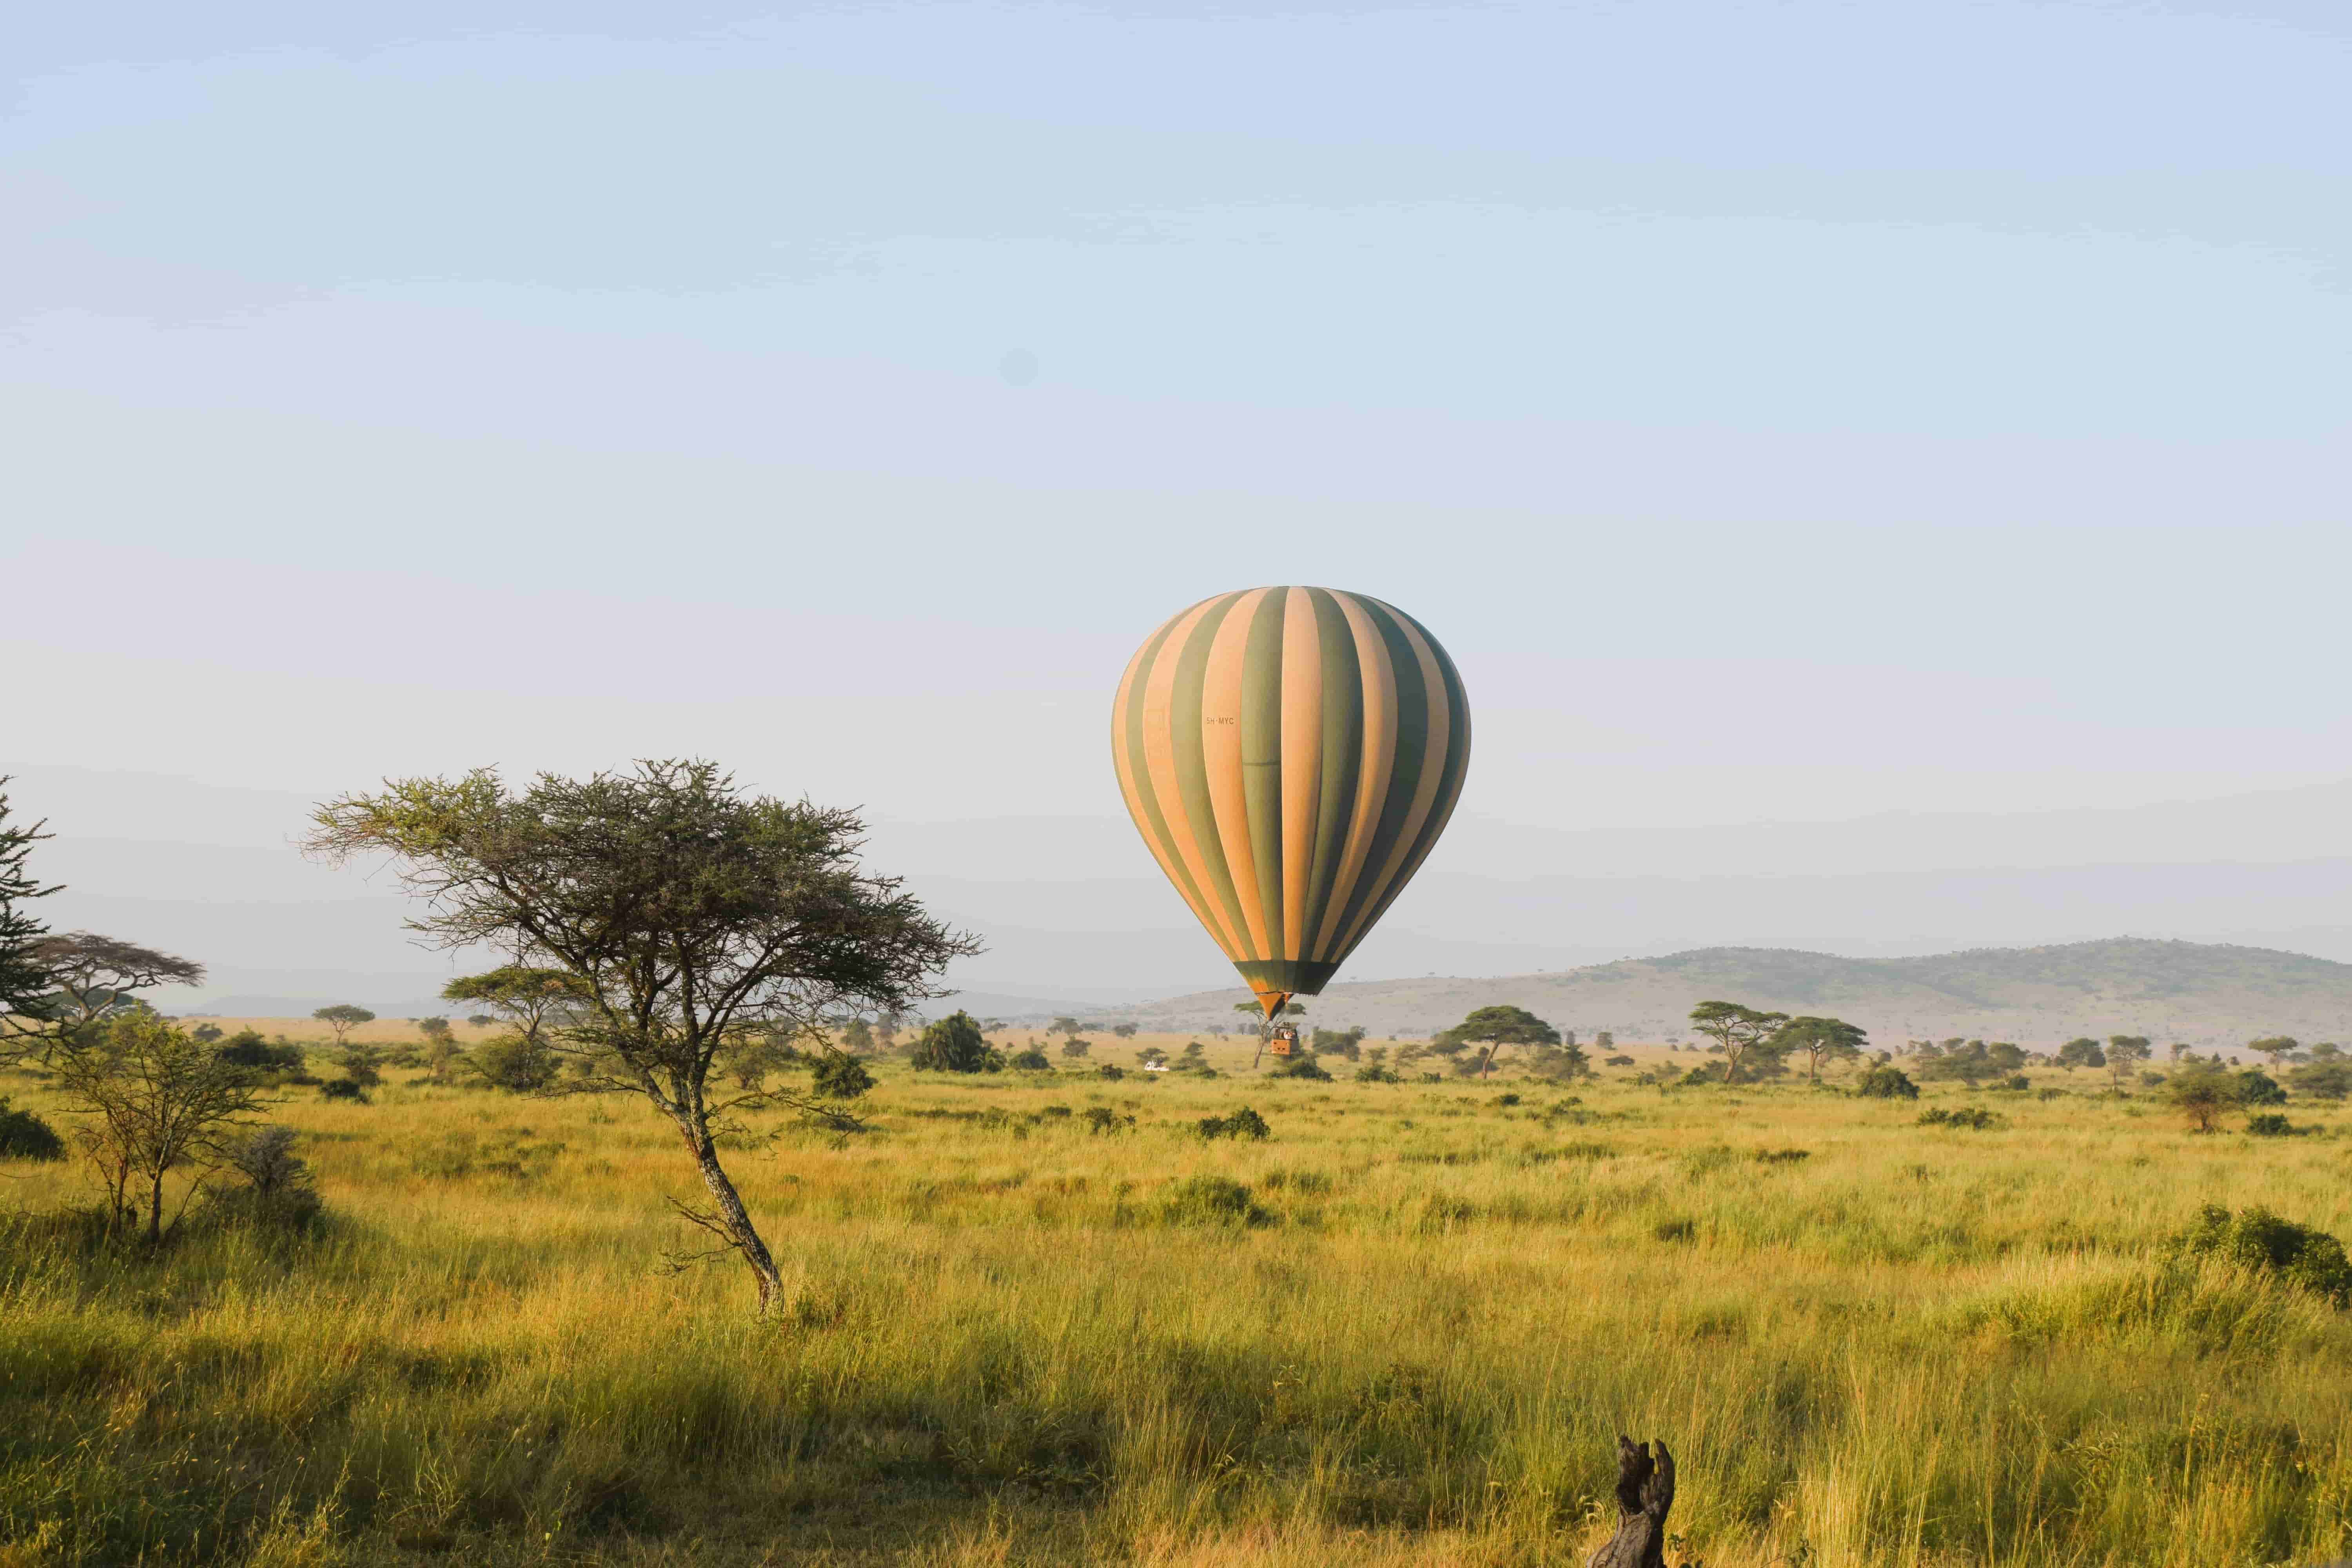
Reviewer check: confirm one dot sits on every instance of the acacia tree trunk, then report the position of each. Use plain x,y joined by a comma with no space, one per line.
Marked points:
1645,1490
733,1221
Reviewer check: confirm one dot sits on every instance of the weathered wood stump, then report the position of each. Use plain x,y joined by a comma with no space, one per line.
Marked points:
1645,1490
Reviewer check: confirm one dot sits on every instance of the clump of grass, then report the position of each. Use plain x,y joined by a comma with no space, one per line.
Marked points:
1211,1200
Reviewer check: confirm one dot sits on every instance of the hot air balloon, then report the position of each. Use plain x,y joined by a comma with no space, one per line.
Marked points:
1290,756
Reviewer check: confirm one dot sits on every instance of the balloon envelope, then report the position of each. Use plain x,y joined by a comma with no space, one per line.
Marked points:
1290,755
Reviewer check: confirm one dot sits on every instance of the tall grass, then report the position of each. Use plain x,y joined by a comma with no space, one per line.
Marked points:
1014,1339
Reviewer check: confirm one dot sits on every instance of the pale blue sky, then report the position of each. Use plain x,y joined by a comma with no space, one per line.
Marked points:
1782,411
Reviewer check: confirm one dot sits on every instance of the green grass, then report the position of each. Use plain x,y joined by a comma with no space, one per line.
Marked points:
1015,1337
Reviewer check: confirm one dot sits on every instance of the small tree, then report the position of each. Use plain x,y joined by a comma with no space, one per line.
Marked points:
1076,1050
2123,1052
344,1017
1818,1039
858,1038
157,1102
2203,1093
434,1030
2081,1052
954,1044
1124,1031
1495,1027
25,981
1736,1031
690,914
2278,1047
98,976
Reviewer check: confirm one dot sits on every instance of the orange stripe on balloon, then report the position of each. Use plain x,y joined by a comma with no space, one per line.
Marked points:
1221,750
1160,760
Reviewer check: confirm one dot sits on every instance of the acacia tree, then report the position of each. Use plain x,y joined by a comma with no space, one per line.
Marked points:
2278,1047
2123,1050
1736,1030
97,975
523,996
344,1017
692,916
1819,1038
1496,1027
25,981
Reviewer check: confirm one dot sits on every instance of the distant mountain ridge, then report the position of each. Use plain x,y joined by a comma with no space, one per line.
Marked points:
2200,992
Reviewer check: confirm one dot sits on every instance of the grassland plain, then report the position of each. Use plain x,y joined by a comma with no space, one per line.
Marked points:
1018,1338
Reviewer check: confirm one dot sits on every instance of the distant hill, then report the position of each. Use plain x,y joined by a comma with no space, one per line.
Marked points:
2203,993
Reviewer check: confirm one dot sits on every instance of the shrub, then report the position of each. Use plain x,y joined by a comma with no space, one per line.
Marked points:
1110,1071
515,1063
246,1049
954,1044
1885,1082
278,1187
1375,1073
838,1075
1300,1067
1618,1061
2257,1087
2321,1080
1210,1200
2257,1240
1241,1123
343,1089
1975,1117
25,1136
1032,1061
1781,1156
2271,1125
1102,1119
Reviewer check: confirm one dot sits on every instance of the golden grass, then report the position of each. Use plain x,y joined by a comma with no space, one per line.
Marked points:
1008,1344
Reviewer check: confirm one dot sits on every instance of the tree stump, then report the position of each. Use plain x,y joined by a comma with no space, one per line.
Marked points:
1645,1490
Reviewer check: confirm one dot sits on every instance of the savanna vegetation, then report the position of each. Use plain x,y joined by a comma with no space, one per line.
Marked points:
1041,1316
723,1270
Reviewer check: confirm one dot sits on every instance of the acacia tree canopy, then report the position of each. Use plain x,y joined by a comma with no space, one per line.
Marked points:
1832,1039
691,915
1735,1029
97,975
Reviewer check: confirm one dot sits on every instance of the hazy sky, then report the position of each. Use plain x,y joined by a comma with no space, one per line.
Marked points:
1783,411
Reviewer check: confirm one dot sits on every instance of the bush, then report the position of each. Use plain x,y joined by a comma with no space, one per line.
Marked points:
2321,1080
1885,1082
1111,1072
25,1136
1618,1061
955,1043
2260,1241
277,1189
1102,1119
1300,1067
1375,1073
1974,1117
2271,1125
515,1063
1241,1123
2257,1087
348,1089
246,1049
1210,1200
1032,1061
837,1075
